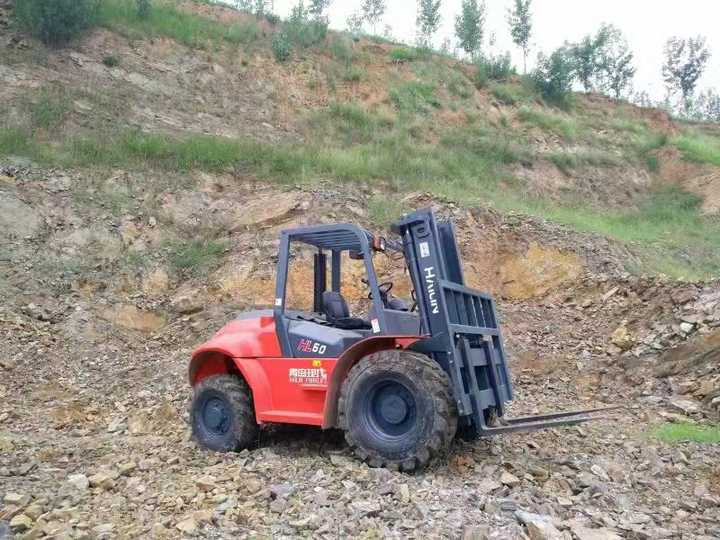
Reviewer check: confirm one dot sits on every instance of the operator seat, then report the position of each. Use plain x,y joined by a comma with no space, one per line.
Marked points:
338,313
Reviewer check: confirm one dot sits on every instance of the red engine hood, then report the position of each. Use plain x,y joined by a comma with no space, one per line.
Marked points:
252,337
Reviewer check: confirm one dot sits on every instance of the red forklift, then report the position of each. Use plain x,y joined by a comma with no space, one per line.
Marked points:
401,382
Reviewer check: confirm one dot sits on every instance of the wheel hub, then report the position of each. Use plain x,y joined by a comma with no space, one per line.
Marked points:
393,409
216,415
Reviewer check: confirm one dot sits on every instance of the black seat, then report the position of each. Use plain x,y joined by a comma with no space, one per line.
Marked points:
338,313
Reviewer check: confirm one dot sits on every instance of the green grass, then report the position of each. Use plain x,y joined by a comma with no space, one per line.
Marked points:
667,230
197,255
682,432
384,210
341,47
403,54
699,148
629,125
167,20
354,74
414,97
566,161
17,141
510,94
567,128
50,108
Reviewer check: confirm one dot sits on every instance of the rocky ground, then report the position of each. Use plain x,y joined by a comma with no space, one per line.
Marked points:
93,392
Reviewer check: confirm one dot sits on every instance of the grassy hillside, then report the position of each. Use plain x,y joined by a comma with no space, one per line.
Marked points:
375,114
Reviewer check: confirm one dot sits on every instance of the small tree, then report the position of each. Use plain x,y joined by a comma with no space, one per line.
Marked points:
56,22
587,55
707,106
143,8
373,11
520,21
555,74
685,62
470,26
354,24
642,99
616,60
428,20
317,7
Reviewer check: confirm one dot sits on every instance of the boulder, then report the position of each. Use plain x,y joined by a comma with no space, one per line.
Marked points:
539,527
18,219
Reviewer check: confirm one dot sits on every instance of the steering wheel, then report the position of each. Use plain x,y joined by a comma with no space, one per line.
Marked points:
385,287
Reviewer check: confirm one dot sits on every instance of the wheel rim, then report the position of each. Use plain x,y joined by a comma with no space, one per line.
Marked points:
390,409
216,416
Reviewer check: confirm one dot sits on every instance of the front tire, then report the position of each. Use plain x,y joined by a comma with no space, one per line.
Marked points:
397,410
222,414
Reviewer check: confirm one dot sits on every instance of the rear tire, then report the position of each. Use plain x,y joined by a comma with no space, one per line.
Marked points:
222,414
397,410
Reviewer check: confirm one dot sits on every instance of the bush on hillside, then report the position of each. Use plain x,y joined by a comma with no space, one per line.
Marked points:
281,47
493,68
56,22
554,75
143,8
298,31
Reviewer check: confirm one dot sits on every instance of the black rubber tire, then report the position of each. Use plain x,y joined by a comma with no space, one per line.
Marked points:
426,433
232,395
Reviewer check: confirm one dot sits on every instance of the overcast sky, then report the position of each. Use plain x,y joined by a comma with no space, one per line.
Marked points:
647,24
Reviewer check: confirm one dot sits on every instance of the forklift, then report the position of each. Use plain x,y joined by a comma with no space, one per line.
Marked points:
401,382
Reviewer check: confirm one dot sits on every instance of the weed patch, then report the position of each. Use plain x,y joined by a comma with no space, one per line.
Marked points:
415,96
384,210
682,432
403,54
566,161
197,256
699,149
567,128
50,108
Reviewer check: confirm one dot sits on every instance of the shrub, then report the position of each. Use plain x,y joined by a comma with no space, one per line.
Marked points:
493,68
56,22
403,54
554,75
143,8
111,61
353,74
299,31
281,47
302,31
510,94
342,49
272,18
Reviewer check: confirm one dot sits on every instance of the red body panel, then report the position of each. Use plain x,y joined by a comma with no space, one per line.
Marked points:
285,390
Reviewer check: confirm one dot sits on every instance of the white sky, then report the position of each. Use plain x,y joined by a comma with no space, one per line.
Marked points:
647,24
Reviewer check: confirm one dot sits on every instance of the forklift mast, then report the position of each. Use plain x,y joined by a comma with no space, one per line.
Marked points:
465,337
